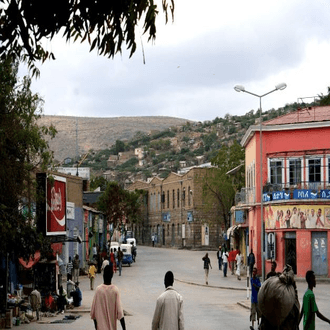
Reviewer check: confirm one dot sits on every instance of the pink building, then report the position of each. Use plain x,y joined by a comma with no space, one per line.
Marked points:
296,191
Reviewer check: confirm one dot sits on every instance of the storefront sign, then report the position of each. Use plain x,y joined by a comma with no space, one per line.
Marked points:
305,194
297,216
166,216
239,216
280,195
190,216
56,207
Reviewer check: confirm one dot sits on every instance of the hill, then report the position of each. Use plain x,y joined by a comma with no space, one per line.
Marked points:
86,133
127,149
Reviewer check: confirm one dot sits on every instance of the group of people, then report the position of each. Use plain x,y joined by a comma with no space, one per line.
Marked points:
232,259
107,307
282,319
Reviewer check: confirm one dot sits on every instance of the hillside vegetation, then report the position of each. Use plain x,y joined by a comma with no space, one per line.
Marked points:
173,148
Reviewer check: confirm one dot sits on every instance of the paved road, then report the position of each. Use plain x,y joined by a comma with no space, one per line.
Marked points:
205,307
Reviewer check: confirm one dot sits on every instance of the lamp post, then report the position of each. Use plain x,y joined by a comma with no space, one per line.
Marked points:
240,88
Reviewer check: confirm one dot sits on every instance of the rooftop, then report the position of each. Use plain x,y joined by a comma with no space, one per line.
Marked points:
310,114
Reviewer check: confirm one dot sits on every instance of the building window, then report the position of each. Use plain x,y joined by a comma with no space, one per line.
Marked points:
184,197
173,195
314,172
189,193
168,199
276,171
178,197
294,171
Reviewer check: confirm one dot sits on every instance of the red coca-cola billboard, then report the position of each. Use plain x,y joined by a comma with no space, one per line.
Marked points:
56,207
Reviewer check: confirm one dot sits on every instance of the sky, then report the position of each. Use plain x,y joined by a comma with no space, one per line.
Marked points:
192,67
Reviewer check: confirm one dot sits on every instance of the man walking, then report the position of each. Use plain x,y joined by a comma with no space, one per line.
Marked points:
76,266
219,256
309,307
168,313
251,261
106,307
225,262
120,257
255,286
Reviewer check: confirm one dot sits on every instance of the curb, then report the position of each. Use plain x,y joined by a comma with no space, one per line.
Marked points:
211,286
243,304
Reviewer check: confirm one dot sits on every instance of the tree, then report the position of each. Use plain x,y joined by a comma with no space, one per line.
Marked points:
324,99
23,150
120,205
97,182
219,188
105,25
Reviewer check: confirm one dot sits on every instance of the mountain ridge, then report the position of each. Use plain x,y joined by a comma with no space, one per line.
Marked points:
81,134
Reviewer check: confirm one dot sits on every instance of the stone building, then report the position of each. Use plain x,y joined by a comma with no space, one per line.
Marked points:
175,214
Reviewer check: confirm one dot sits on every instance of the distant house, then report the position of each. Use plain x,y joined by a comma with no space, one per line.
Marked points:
112,161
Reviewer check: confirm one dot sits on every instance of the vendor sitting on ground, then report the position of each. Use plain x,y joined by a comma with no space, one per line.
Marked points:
76,295
49,303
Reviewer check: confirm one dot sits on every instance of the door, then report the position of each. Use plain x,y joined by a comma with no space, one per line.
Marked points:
319,253
290,250
173,235
205,235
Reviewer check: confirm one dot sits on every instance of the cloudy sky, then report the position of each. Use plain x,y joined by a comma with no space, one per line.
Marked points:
195,62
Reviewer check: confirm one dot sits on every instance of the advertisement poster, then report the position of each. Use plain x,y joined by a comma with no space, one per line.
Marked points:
56,207
297,216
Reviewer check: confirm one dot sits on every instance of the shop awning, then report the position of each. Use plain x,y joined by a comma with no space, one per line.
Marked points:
31,262
230,230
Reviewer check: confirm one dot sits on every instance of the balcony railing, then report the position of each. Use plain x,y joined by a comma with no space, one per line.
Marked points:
303,190
317,186
245,196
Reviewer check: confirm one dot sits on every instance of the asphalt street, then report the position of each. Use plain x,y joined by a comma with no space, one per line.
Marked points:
223,304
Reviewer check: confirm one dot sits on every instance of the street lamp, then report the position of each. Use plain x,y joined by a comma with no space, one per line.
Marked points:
240,88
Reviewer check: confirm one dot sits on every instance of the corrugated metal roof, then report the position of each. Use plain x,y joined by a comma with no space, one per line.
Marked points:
305,115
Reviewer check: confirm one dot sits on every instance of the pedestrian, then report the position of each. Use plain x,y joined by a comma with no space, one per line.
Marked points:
238,264
69,267
272,270
251,261
207,265
219,257
120,257
309,307
105,262
169,307
133,251
91,274
76,295
94,252
76,268
35,298
113,260
61,300
255,286
106,306
234,257
153,240
231,260
225,256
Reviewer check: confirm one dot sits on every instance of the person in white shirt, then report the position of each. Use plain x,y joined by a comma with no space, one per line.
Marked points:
169,308
225,262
